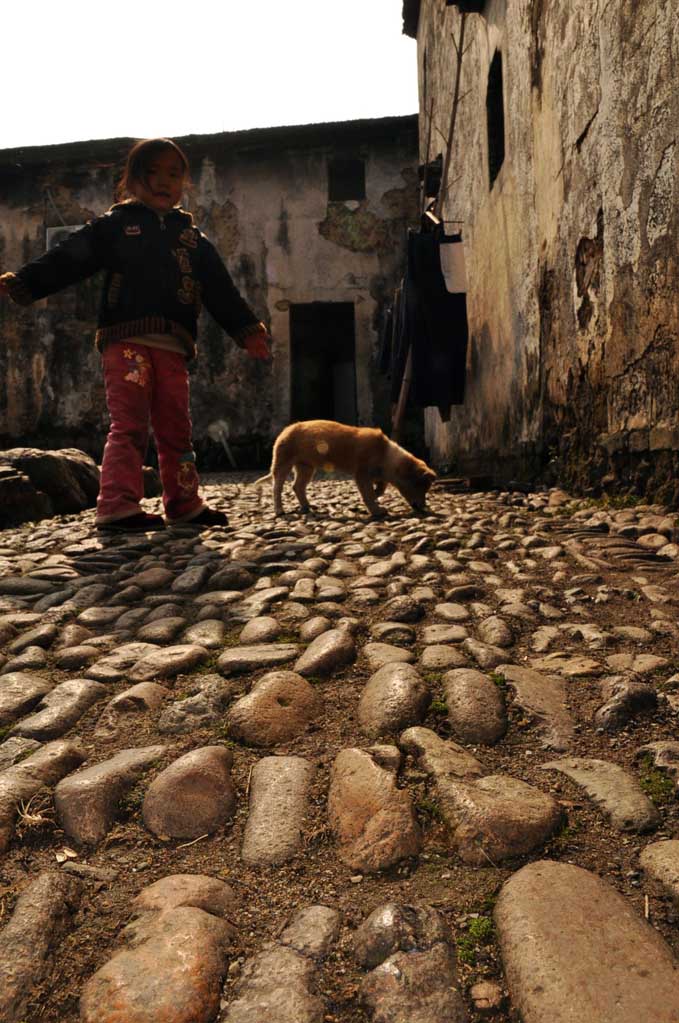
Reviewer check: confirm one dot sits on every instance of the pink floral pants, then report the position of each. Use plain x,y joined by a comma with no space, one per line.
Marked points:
147,387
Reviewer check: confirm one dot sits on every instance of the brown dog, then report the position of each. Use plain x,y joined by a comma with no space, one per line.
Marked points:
372,459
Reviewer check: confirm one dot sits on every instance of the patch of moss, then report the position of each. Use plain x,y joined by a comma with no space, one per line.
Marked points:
658,785
481,929
499,679
430,808
439,707
480,932
432,677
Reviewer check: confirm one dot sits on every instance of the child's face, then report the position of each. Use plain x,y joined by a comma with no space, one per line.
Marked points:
164,182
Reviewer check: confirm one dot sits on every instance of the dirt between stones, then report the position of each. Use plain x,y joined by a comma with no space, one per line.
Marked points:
438,878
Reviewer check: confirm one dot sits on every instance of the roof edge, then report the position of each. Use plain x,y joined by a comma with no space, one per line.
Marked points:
274,137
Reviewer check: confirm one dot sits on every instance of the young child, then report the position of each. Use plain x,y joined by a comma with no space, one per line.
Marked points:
159,270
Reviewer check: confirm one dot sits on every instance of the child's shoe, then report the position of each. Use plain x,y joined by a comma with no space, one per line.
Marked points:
208,517
142,522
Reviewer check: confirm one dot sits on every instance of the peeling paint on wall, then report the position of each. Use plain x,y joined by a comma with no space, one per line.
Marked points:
357,230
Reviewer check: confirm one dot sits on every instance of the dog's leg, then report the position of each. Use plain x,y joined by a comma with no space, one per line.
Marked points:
366,488
280,474
303,475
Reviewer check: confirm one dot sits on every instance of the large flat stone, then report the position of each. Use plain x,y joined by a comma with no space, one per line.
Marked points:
113,666
543,699
173,660
276,985
440,758
19,783
278,801
173,974
379,654
261,655
613,789
86,802
60,709
574,950
20,692
41,919
496,817
373,820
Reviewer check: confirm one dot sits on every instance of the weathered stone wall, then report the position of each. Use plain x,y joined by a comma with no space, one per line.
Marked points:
262,198
572,254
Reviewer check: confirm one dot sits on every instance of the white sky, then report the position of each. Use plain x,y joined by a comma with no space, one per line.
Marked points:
83,69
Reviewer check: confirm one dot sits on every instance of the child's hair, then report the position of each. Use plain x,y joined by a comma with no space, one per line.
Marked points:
140,158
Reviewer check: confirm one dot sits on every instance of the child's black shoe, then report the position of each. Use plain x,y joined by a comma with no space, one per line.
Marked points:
208,517
139,523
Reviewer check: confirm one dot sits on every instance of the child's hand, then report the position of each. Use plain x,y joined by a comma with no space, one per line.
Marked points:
257,346
4,283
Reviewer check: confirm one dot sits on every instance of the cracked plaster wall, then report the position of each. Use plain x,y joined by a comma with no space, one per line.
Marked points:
264,204
572,256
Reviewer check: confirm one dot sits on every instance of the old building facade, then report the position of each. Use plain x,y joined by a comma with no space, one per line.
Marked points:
564,172
311,221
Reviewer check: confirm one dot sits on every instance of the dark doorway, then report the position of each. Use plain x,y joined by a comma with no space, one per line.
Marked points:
323,361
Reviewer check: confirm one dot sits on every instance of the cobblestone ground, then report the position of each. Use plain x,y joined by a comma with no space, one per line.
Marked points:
323,768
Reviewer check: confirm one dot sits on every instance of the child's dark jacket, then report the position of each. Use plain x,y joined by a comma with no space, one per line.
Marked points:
158,274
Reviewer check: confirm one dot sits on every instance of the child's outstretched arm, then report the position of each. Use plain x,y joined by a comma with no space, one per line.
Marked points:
225,303
73,260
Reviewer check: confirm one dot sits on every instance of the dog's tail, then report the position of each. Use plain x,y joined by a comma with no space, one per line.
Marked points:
261,480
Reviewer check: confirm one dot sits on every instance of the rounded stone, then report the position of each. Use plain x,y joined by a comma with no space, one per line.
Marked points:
476,707
280,706
193,796
395,698
330,651
439,657
260,630
379,654
313,628
403,609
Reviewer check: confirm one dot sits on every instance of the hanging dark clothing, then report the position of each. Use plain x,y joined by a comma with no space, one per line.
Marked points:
436,327
386,334
400,341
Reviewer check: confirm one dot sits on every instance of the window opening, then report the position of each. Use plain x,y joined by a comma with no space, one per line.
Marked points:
346,179
496,118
